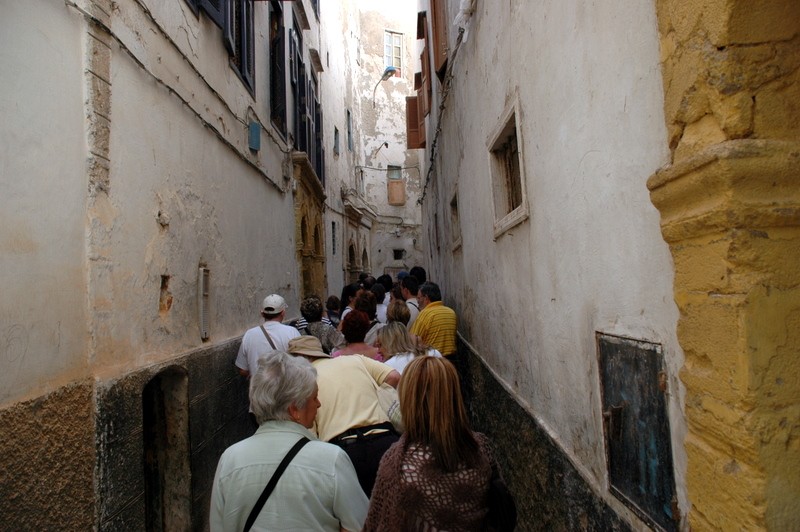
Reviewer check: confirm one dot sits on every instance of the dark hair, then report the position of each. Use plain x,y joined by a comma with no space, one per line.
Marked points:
349,292
410,283
367,304
311,309
355,326
368,282
379,291
431,291
419,273
386,281
397,293
333,303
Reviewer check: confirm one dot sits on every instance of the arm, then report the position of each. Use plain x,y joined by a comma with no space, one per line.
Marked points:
244,373
350,504
393,378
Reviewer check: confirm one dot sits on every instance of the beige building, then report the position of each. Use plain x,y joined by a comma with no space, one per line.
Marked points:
611,208
167,164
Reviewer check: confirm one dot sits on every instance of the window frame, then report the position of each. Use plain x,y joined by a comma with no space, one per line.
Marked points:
395,57
507,218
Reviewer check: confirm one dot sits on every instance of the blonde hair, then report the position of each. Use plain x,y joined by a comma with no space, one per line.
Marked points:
434,414
394,339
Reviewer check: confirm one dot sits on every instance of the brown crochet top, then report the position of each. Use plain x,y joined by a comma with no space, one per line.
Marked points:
412,493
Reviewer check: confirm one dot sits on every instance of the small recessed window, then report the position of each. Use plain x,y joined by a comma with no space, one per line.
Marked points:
508,174
455,222
349,131
336,141
399,254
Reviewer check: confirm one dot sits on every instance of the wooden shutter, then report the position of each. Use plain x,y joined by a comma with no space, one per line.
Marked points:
248,68
412,123
277,61
439,23
421,117
214,8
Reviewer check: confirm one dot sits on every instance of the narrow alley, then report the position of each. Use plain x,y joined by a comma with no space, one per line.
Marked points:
606,194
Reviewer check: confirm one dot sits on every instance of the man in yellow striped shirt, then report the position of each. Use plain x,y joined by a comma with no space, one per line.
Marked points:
436,323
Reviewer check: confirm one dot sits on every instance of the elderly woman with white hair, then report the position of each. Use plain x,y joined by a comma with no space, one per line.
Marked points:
317,488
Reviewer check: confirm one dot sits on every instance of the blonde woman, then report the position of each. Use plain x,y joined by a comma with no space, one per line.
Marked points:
437,476
397,347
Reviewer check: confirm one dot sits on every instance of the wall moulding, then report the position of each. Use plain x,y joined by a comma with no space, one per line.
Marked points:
734,184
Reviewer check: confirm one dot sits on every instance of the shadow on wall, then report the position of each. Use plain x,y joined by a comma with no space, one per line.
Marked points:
549,492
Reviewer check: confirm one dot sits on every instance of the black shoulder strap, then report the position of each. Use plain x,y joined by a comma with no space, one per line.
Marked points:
272,482
269,338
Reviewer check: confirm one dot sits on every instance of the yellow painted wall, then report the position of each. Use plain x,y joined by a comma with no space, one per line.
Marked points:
730,210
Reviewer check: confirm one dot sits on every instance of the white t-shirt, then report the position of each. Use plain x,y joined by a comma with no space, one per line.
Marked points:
255,344
401,360
413,309
380,313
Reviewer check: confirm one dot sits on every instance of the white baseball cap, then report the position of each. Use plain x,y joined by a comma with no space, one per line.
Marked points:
274,304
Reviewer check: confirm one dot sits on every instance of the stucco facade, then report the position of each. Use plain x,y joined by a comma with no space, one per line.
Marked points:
654,204
155,188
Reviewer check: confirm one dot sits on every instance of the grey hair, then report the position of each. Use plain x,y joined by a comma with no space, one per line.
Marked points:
280,381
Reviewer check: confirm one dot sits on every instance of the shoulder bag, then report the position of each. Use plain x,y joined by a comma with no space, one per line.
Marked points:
273,481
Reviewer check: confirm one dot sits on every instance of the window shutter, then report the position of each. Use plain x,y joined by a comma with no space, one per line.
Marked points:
277,88
439,23
228,33
412,123
248,45
214,8
421,117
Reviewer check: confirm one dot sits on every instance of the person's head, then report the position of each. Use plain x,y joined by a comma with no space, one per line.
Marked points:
428,293
311,309
362,276
401,274
307,346
349,293
433,411
355,326
274,307
386,281
332,304
397,292
410,286
419,274
366,302
284,388
397,311
393,338
368,282
379,291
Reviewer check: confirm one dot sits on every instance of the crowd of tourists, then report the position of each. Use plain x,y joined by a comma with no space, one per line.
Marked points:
361,423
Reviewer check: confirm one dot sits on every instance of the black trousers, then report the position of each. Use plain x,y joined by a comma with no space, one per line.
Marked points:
366,452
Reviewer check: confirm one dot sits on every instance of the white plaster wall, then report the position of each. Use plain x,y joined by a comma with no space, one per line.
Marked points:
42,198
186,191
340,32
591,257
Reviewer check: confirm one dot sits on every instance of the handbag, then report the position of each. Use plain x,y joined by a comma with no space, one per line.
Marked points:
262,499
502,516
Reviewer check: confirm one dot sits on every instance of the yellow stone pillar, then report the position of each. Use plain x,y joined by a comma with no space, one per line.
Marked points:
730,211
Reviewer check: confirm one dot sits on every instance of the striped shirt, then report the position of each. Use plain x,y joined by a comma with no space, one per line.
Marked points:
436,325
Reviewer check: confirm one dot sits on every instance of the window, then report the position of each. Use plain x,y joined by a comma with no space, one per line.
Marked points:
235,17
277,66
455,222
393,50
349,131
336,141
238,36
415,124
398,254
395,186
333,237
439,41
507,170
423,86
